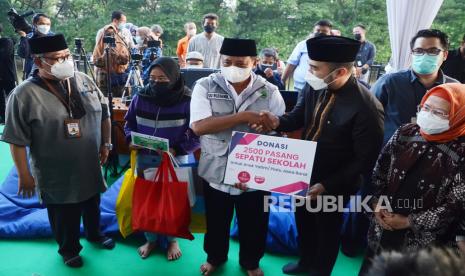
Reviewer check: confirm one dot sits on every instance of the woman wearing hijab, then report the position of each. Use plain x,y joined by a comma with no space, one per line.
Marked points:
419,178
162,109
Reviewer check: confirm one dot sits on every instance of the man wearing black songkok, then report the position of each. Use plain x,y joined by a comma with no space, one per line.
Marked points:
62,117
222,103
346,121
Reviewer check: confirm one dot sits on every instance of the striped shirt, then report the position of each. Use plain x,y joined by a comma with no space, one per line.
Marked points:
172,123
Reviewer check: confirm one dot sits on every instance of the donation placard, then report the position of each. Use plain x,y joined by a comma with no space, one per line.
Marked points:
149,142
270,163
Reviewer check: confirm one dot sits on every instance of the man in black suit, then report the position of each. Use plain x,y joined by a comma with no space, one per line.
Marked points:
346,121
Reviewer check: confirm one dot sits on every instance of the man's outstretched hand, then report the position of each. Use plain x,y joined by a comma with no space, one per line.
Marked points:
268,122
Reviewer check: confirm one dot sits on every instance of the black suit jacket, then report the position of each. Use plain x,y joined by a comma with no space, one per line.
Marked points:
351,137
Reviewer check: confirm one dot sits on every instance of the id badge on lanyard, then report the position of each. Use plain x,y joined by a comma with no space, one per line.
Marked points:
72,126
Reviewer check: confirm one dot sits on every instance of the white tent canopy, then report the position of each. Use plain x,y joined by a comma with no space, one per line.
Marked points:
405,19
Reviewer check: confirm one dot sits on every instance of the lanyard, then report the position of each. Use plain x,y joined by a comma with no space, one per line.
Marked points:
60,97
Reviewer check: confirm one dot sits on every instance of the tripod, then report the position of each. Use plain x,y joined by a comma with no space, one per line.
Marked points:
133,83
80,51
113,160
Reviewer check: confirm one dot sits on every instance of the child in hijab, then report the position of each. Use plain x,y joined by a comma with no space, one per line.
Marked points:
162,109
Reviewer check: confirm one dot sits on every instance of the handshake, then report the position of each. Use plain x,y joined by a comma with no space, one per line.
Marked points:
262,122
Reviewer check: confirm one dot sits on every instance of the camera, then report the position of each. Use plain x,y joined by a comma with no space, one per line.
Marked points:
19,21
78,43
153,44
136,57
110,40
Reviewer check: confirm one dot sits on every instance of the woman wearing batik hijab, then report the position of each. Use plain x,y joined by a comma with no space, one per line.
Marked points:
421,173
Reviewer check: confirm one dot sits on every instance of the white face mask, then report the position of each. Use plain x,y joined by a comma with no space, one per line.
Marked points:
194,66
139,40
43,29
234,74
191,32
431,124
121,26
316,83
63,70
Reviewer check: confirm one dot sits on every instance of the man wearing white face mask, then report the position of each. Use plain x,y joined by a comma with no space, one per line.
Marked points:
346,121
118,20
62,117
183,43
41,27
194,60
220,104
401,92
119,55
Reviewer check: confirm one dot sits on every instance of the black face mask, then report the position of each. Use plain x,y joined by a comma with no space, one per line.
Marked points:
358,37
162,93
209,28
157,89
263,67
317,34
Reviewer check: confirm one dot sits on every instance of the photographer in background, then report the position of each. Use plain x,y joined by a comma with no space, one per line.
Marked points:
145,40
7,71
41,24
118,21
119,61
157,32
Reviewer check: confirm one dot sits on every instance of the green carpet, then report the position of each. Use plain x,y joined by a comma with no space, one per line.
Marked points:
38,256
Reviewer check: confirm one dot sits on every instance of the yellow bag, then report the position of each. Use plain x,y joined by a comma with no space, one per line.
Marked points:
124,200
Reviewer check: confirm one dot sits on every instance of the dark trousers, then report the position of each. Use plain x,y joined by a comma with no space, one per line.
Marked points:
367,262
252,222
6,87
65,221
319,239
355,229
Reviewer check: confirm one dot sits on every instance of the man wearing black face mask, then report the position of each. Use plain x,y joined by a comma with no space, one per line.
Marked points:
208,43
365,56
267,67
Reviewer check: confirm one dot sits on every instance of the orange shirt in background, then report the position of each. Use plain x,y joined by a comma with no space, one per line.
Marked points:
181,51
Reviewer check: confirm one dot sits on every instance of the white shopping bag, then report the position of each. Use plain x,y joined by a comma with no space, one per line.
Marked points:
183,173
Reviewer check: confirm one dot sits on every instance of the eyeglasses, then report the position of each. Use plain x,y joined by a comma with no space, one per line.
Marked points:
438,112
429,52
60,59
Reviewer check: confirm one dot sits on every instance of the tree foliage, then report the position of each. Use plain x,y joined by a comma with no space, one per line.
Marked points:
273,23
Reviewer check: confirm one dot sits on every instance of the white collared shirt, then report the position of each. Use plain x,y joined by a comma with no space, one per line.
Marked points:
201,109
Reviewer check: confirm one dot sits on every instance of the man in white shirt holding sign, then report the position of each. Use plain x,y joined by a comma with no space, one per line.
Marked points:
222,103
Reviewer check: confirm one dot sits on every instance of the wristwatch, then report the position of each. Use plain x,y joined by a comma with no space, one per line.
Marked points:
109,146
